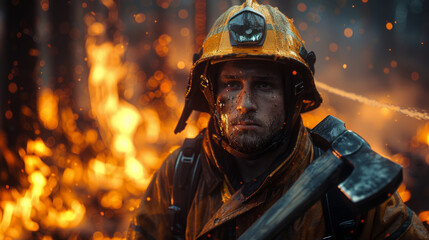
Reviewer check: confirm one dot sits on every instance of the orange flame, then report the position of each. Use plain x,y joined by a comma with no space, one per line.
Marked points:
118,119
424,216
423,134
404,193
48,109
33,206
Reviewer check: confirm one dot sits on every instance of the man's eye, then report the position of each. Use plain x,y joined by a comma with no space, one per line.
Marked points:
233,85
264,86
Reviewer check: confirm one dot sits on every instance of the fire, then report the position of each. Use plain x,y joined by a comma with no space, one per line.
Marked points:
404,193
33,206
118,119
38,147
422,136
424,216
401,160
56,171
311,119
427,139
112,199
133,168
48,109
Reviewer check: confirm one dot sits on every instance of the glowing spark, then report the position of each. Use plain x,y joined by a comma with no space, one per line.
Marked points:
389,26
348,32
410,112
415,76
8,114
180,65
183,14
139,17
333,47
302,7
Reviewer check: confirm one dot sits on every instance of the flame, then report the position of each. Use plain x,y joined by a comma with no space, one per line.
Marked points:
112,199
311,119
118,119
133,168
32,206
48,109
424,216
404,193
427,136
422,136
38,147
401,160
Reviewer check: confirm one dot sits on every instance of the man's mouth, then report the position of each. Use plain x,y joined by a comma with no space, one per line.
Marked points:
246,125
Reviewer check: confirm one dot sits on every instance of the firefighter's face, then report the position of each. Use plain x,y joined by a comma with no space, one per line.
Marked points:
250,103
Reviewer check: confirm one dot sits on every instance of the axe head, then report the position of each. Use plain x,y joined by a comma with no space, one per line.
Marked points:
373,178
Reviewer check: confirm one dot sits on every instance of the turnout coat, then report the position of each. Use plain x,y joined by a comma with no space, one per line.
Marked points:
223,207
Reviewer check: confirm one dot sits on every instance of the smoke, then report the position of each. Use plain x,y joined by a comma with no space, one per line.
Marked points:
410,112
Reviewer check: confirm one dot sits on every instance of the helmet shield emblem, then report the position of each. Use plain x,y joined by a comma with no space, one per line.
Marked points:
247,28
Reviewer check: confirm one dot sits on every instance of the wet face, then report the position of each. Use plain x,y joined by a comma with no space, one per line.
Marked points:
250,103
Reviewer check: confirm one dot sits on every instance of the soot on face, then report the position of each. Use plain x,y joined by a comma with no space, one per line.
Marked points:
250,104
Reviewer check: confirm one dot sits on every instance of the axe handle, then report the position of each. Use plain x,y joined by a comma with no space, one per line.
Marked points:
315,181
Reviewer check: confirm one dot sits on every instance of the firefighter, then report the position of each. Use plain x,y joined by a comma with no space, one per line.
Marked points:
254,77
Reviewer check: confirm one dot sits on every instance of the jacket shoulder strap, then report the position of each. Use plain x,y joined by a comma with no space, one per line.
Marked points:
341,218
186,177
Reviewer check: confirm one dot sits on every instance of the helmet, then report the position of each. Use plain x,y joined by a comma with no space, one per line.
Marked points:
251,31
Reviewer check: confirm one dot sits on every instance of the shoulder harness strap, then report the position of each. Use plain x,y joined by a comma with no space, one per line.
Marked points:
186,175
342,220
395,235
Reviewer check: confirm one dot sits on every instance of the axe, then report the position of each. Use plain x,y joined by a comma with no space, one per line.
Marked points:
363,176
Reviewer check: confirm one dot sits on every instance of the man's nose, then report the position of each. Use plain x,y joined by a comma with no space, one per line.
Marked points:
246,101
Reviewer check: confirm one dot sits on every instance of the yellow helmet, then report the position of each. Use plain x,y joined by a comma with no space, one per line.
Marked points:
251,31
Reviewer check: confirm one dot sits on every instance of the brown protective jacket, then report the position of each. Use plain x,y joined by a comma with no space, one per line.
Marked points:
215,214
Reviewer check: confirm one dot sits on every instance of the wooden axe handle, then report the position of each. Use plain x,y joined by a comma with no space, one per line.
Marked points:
325,172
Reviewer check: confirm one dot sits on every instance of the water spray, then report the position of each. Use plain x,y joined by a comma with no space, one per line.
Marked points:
410,112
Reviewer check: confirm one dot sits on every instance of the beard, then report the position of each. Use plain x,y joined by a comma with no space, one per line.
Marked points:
248,141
